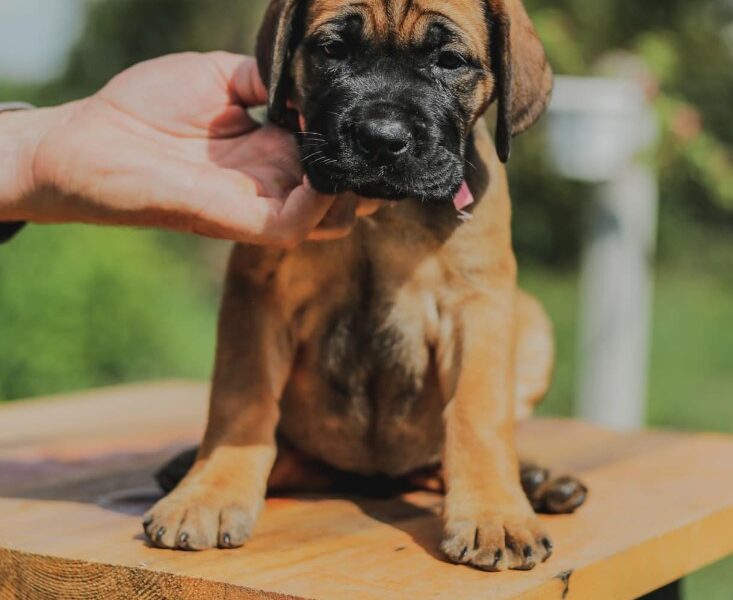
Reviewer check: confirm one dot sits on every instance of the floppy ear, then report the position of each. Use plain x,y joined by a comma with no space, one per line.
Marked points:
276,41
523,75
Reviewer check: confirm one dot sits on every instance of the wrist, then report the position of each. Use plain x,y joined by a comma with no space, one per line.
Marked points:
21,133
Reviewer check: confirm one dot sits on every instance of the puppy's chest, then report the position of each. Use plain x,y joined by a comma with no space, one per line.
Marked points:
373,362
375,349
364,389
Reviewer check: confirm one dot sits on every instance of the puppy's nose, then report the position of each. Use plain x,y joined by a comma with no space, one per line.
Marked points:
383,139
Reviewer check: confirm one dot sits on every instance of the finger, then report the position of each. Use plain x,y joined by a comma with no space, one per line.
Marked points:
301,214
235,212
338,222
367,207
243,76
217,202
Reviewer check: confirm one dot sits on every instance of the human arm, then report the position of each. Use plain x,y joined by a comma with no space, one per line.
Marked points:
167,143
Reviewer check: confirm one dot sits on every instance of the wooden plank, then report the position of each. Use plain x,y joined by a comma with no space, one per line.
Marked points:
660,507
175,406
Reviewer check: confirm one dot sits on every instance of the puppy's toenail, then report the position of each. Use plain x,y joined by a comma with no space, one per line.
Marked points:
532,478
548,547
527,552
463,553
159,534
227,539
498,555
183,539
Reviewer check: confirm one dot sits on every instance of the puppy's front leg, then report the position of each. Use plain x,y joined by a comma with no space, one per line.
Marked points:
218,501
489,522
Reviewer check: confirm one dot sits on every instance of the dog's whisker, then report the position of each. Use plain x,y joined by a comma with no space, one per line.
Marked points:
323,160
316,153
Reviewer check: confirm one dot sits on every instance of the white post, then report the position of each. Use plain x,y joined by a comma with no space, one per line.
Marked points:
597,127
617,288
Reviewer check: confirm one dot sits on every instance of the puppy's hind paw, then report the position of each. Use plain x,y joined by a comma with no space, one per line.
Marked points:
560,496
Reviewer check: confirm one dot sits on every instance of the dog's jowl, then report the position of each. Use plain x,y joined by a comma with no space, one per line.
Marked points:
408,344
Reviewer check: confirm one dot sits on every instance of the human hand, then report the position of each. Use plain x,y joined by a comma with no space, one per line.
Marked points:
169,143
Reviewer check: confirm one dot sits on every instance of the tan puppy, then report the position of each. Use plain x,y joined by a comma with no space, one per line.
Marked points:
408,342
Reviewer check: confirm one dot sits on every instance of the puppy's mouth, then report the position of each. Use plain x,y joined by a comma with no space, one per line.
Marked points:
379,158
429,184
332,181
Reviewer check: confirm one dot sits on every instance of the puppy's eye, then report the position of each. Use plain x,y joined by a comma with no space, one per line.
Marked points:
335,50
450,60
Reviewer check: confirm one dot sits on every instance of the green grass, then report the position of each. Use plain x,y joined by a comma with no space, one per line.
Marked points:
713,583
84,307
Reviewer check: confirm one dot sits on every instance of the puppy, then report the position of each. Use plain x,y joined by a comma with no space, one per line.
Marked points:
407,344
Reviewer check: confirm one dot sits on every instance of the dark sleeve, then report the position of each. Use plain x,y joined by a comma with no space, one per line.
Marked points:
8,230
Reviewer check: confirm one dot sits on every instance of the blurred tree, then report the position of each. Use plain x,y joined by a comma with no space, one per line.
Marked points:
687,47
120,33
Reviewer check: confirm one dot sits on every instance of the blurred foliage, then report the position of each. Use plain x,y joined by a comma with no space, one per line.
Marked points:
84,307
120,33
686,49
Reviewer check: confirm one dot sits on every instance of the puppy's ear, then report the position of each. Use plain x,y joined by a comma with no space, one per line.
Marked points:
278,35
523,75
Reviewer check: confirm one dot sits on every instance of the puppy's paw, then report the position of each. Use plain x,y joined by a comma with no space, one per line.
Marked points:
200,519
496,543
560,496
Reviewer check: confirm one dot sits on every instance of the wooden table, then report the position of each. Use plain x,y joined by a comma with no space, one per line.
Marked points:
75,476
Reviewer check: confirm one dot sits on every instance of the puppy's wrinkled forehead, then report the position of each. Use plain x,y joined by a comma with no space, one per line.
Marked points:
406,23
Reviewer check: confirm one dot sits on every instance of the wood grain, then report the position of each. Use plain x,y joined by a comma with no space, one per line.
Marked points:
75,476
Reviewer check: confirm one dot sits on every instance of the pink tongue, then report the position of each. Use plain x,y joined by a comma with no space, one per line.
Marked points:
464,198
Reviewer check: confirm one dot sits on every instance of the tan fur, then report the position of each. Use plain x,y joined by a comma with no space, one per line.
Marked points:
384,352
